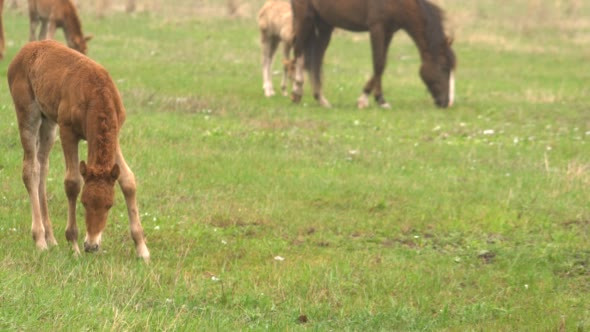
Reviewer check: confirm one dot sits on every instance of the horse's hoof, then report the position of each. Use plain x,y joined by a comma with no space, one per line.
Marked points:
325,103
362,101
385,106
41,245
296,98
269,93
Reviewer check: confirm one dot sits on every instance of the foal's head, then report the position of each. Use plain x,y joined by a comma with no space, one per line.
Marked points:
97,197
437,72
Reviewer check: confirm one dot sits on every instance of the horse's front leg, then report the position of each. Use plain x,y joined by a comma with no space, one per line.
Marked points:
287,70
50,27
380,40
72,183
33,23
129,188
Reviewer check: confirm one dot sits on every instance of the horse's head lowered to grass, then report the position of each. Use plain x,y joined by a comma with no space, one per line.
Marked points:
437,72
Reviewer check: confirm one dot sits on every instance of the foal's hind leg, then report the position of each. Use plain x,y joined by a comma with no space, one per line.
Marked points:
129,188
29,122
269,47
380,40
47,134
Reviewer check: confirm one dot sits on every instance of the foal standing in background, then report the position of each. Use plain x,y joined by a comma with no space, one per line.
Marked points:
52,85
275,21
53,14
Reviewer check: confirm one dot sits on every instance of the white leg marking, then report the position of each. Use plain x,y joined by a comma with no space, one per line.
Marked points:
363,101
451,88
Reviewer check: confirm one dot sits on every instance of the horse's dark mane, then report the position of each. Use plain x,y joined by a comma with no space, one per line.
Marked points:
74,21
435,34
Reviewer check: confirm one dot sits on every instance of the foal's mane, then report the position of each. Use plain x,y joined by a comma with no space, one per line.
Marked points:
104,106
435,33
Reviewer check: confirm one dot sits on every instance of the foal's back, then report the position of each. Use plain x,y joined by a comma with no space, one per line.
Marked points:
64,83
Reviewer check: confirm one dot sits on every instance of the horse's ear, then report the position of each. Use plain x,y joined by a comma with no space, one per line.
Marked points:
88,37
115,172
83,168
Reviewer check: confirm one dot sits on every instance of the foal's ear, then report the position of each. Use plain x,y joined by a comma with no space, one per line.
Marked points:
88,37
83,168
115,172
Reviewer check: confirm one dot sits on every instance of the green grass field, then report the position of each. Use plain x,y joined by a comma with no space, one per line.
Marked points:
414,218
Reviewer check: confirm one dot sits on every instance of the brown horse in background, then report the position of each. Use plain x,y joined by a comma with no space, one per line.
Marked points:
53,14
1,30
314,21
52,85
275,21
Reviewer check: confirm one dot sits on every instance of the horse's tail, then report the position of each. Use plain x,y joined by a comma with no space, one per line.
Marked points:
312,58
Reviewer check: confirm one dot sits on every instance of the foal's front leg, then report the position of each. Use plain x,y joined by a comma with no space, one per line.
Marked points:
129,188
72,183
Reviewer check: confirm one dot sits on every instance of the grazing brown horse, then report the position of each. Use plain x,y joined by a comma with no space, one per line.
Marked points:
314,21
53,14
275,21
1,31
53,86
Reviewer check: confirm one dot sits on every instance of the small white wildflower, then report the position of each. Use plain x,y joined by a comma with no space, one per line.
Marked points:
416,236
353,152
437,128
223,242
169,300
549,148
214,278
13,229
462,124
157,228
526,286
357,122
516,140
488,132
588,133
279,258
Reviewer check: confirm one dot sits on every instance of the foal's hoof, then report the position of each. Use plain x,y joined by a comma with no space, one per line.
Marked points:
385,106
92,248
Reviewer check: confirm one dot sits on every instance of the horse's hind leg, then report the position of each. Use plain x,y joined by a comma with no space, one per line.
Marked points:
47,134
129,188
29,122
269,47
380,40
319,50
